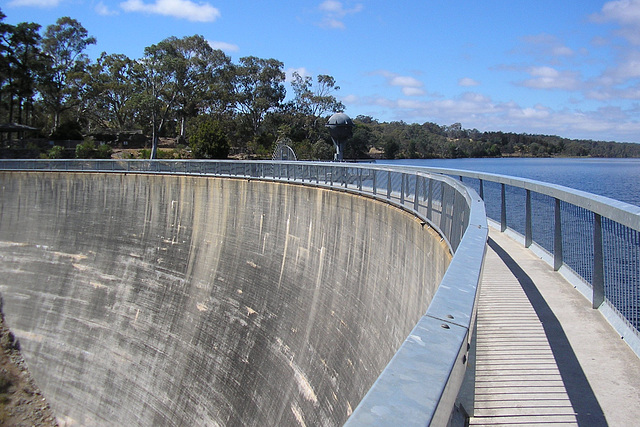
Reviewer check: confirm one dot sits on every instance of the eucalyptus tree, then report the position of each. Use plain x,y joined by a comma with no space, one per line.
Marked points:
63,45
178,80
258,89
20,64
108,90
199,72
315,100
311,103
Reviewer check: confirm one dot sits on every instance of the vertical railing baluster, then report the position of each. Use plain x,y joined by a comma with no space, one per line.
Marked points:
415,193
503,209
557,237
388,185
528,235
482,189
430,201
375,184
402,188
598,263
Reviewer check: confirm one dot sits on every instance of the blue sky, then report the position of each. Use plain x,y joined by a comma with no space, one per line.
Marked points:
568,68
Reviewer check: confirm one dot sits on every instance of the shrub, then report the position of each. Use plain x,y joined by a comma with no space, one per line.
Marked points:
86,150
207,139
56,152
67,131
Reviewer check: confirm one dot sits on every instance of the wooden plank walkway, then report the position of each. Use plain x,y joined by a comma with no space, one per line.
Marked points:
543,355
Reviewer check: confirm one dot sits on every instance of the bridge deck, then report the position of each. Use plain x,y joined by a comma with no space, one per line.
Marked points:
544,356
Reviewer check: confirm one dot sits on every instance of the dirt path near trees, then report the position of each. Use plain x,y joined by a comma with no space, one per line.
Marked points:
21,402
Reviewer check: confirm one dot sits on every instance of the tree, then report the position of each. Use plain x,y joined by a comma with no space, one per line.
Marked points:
310,104
207,139
199,71
179,80
63,45
108,90
21,63
315,101
259,88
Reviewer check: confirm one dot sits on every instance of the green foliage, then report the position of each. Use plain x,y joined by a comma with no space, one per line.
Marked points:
70,130
56,152
207,139
88,150
104,151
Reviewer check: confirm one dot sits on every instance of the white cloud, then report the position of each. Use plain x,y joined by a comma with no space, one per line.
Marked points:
467,81
227,47
182,9
410,86
477,110
334,13
625,13
34,3
549,78
104,10
545,47
412,91
303,72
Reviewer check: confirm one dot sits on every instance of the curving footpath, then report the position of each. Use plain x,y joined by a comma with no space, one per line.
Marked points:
544,356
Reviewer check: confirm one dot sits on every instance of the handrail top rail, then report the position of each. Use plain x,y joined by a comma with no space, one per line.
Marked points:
616,210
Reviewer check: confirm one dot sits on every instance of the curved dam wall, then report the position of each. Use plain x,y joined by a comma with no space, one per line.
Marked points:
183,300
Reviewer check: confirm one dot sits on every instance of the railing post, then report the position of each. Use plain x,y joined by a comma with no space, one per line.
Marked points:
528,236
388,185
557,238
482,189
359,179
374,182
598,263
430,200
415,193
503,209
402,188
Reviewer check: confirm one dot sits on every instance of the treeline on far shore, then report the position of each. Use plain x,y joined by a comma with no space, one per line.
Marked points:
371,140
429,140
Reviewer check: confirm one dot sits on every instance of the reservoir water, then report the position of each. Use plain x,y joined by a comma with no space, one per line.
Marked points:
615,178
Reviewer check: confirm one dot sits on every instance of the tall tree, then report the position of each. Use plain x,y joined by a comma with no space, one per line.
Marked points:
258,88
312,102
179,79
63,44
25,66
198,69
108,90
315,101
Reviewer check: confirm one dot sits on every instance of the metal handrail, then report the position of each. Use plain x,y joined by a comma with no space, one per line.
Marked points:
424,377
593,240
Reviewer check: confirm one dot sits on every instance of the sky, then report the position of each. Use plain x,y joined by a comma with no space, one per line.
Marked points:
554,67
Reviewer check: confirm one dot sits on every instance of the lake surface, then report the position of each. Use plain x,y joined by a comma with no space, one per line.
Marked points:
615,178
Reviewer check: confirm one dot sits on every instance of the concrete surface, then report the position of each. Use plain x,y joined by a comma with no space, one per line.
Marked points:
174,300
544,356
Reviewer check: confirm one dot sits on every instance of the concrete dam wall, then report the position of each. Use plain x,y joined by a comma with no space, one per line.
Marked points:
182,300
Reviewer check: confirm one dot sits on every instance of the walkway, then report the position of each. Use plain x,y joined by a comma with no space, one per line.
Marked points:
543,355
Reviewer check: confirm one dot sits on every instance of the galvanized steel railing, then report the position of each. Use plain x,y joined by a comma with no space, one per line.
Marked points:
594,241
421,383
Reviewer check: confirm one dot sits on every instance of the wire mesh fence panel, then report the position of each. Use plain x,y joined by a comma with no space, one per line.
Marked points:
621,251
492,199
577,240
542,209
515,199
